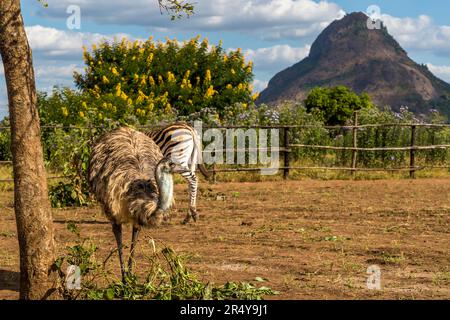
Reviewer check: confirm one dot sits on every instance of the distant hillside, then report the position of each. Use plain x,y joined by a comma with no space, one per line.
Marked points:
348,53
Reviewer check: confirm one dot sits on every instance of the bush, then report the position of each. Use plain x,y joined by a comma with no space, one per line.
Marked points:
147,78
68,152
5,145
334,106
69,194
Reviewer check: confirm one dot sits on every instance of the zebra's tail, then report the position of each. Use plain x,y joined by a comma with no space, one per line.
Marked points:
204,171
197,157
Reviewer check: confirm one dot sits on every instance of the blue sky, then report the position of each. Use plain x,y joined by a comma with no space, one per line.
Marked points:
273,33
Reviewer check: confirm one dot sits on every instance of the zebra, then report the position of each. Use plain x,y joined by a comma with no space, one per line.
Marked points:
180,142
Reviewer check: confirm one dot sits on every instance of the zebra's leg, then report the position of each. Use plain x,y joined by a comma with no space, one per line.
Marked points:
192,181
117,230
134,238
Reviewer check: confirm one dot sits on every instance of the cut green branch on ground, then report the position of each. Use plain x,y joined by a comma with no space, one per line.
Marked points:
166,279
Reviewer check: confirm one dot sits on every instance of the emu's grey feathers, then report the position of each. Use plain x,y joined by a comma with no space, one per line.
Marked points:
122,175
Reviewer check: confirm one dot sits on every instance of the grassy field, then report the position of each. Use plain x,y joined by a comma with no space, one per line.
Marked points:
310,239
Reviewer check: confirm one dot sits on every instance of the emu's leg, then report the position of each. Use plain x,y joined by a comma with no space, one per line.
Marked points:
134,238
117,230
192,181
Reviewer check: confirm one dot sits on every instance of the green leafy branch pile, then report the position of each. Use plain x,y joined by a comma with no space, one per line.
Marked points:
167,278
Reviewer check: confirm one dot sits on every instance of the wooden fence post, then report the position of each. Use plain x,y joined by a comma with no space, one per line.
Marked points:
412,155
286,153
354,142
214,173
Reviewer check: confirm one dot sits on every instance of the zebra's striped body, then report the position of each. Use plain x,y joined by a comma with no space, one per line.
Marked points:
181,143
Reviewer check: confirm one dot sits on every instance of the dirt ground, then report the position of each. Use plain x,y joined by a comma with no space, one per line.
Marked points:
310,239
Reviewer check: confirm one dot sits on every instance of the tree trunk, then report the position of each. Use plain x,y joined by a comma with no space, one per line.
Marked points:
31,204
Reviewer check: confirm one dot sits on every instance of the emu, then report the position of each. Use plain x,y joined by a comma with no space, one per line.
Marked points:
133,182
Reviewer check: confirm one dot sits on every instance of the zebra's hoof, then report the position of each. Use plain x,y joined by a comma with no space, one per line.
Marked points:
194,215
191,214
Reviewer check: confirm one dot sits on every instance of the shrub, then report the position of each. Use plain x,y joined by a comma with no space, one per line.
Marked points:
336,105
147,78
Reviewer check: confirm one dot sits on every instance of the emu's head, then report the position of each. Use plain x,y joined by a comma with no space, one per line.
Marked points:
163,173
166,165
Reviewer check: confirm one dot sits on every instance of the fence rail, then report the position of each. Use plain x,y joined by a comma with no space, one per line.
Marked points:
287,147
442,146
331,168
300,126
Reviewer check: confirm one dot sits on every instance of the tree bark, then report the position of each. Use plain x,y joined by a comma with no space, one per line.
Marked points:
31,204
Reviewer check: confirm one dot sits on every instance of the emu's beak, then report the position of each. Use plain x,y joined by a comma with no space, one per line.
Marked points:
175,169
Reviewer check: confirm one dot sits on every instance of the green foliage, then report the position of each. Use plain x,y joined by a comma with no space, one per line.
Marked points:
43,3
336,105
177,8
68,194
82,254
5,141
144,79
167,278
67,151
394,136
62,107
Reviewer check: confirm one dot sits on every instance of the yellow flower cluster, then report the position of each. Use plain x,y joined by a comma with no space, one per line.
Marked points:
150,58
208,76
114,71
141,97
143,80
170,77
210,92
118,89
151,81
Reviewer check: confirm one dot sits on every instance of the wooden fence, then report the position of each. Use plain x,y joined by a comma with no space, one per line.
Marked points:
287,147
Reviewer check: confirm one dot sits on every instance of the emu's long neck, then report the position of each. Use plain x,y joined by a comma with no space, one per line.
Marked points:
165,188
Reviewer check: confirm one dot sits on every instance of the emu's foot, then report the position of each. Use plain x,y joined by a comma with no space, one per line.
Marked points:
166,218
191,214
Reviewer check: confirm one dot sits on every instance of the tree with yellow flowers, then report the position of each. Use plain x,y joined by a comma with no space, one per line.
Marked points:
144,79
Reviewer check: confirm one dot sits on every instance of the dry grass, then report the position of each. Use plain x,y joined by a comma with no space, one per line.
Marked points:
309,239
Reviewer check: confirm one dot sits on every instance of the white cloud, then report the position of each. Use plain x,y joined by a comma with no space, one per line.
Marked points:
442,72
273,59
277,57
51,43
58,53
259,85
2,70
56,71
419,33
268,18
